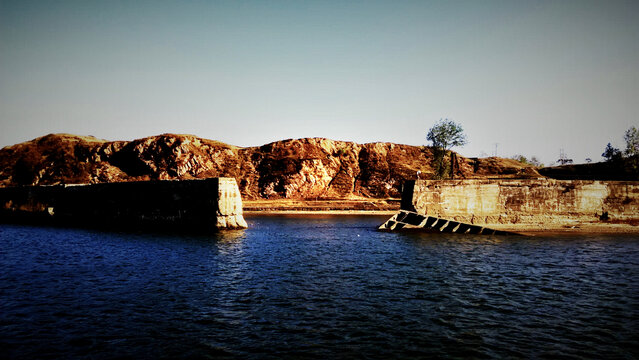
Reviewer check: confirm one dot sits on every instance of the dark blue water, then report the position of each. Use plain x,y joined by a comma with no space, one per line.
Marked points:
315,287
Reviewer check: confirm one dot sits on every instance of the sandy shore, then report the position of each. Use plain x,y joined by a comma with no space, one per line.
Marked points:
361,206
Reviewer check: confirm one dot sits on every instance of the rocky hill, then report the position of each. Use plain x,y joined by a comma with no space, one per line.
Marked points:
310,168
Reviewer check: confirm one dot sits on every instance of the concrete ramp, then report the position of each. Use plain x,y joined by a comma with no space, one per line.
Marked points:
409,220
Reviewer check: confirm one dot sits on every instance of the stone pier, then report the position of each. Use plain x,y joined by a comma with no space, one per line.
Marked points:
514,205
191,205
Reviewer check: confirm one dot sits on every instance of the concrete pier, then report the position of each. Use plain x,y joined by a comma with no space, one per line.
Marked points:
543,201
514,205
191,205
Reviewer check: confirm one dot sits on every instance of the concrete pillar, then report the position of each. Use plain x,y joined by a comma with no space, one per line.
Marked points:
229,205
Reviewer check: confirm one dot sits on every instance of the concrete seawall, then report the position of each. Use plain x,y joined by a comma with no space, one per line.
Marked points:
509,204
192,205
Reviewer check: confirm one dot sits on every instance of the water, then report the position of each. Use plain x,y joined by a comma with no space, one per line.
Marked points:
315,287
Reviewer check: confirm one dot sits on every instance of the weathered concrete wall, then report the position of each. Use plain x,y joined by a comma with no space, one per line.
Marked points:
541,201
196,205
229,205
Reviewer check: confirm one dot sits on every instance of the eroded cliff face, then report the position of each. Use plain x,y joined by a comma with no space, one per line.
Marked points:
296,169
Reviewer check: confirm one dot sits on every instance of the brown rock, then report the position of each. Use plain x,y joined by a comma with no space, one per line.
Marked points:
310,168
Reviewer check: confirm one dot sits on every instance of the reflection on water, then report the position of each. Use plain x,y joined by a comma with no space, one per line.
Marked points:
229,242
315,287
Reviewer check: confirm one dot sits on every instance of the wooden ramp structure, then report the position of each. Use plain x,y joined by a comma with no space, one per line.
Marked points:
409,220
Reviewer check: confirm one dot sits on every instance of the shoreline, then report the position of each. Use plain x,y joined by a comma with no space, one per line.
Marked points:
274,212
523,229
352,206
573,229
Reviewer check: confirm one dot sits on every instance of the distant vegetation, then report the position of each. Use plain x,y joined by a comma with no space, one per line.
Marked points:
628,159
632,147
524,160
611,153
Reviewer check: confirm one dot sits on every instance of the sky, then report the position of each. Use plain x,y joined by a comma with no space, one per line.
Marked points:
521,77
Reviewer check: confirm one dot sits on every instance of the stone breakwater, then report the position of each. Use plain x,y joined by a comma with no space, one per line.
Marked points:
192,205
538,203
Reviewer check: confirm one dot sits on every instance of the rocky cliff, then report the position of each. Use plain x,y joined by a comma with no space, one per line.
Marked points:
307,168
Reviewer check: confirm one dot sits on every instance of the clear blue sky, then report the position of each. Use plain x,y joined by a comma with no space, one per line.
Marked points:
532,76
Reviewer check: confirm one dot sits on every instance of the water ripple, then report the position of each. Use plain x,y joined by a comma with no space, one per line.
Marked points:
315,287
